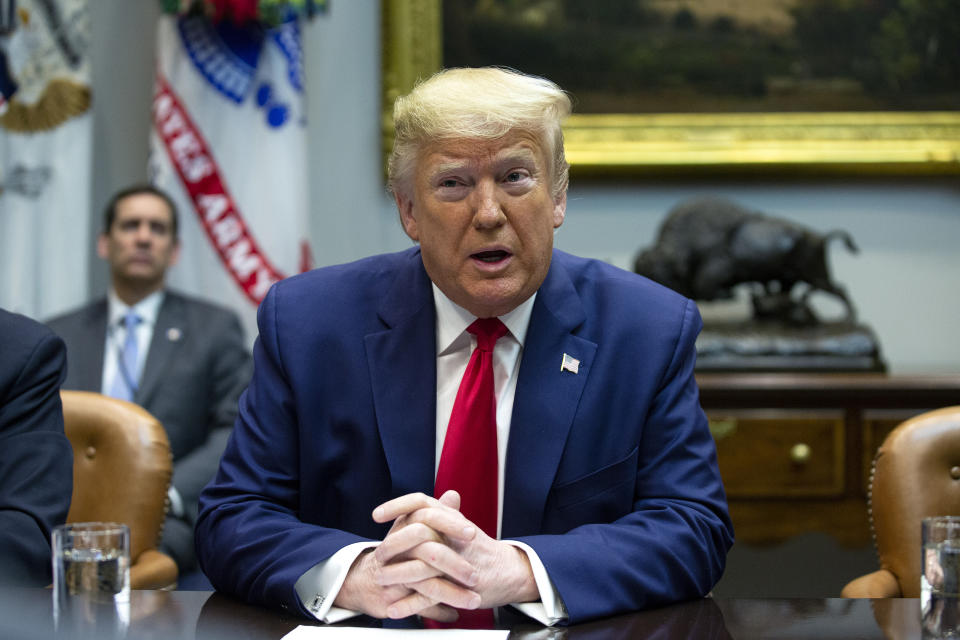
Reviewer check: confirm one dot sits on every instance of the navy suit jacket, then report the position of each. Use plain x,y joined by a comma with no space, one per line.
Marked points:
36,459
611,472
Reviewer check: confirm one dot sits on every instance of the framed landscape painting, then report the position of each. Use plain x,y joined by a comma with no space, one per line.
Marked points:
712,85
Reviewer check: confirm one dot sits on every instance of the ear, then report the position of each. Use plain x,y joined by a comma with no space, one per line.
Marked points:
407,219
559,209
103,250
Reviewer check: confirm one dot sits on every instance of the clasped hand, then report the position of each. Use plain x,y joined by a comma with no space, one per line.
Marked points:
432,561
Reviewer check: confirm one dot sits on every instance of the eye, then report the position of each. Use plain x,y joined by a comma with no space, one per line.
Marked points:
520,177
449,183
158,228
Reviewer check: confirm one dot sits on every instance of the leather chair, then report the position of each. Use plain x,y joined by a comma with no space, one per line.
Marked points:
916,474
122,468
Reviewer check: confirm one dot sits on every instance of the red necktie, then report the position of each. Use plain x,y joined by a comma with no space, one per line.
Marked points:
468,462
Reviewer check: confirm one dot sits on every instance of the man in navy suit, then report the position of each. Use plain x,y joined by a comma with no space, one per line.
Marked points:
608,494
36,460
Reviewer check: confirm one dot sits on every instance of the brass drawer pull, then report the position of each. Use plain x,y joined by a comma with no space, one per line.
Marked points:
721,428
800,453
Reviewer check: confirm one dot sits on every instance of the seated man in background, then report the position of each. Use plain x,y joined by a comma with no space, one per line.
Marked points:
182,359
36,459
477,421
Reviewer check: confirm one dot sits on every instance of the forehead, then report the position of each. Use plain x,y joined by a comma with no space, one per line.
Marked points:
516,145
143,205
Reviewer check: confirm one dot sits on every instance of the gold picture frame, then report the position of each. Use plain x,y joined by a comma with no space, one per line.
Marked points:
894,142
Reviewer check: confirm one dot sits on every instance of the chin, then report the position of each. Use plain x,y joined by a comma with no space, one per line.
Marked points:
489,306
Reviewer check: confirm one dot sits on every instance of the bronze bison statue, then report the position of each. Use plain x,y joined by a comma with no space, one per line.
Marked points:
707,246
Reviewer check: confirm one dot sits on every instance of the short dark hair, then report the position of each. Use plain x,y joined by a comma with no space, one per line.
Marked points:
110,212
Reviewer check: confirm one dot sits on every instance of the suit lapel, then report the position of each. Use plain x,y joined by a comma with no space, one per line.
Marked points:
85,364
403,371
168,334
545,402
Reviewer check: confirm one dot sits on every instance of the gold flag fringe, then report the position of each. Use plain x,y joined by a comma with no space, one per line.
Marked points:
61,100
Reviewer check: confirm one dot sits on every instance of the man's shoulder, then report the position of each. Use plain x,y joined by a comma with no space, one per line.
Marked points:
350,296
22,339
598,275
78,315
21,330
617,307
198,305
376,270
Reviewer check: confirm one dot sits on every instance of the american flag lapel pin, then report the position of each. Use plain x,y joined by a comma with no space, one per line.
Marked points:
569,363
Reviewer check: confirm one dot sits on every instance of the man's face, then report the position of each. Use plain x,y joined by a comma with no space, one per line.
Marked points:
484,217
140,245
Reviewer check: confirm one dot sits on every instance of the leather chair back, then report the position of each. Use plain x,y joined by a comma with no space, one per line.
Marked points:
122,467
916,474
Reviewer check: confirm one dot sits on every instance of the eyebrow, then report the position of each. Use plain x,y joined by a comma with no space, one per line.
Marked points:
521,154
138,219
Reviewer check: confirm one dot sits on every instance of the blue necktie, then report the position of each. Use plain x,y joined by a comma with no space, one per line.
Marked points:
125,382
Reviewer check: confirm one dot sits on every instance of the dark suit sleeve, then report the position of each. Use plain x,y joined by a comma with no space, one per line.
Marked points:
673,544
36,460
251,541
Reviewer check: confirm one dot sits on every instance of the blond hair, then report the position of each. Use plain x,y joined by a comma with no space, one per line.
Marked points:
483,103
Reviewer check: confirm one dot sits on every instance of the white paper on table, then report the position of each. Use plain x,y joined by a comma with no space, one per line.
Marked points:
363,633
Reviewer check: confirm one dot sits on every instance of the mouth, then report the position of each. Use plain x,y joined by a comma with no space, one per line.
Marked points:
491,257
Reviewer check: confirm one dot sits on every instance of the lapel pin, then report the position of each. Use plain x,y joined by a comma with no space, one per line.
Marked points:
569,363
174,334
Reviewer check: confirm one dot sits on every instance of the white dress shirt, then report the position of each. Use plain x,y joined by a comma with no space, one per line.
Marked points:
319,586
147,309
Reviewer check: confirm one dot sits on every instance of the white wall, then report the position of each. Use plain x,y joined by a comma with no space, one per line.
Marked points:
904,282
347,190
123,36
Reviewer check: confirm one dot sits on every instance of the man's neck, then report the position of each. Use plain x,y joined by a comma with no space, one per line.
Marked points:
132,293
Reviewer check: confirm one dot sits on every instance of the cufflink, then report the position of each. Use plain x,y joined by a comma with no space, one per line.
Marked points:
317,603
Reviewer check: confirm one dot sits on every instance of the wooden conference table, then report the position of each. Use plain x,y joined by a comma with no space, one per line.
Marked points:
28,613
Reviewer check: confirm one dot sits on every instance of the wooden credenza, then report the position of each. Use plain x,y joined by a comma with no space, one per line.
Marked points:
795,450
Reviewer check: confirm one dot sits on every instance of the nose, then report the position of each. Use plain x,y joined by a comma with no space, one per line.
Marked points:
144,235
488,212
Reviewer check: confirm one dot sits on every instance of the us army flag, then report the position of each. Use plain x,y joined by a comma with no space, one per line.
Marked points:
228,143
46,136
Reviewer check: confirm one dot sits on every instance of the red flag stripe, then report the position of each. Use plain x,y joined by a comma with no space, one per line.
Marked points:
216,210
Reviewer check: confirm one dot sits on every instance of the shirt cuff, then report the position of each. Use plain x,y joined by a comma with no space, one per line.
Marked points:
550,610
176,508
319,586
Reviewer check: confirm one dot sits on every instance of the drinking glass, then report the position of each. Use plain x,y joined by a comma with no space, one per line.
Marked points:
91,578
940,577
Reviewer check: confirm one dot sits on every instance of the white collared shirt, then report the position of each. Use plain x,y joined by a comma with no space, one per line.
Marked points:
147,309
455,345
319,586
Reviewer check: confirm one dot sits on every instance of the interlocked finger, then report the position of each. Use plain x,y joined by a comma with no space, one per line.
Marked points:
426,560
417,603
415,570
393,509
445,521
443,591
404,540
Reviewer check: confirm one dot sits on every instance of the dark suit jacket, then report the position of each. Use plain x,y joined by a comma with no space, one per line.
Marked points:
196,368
610,476
36,459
